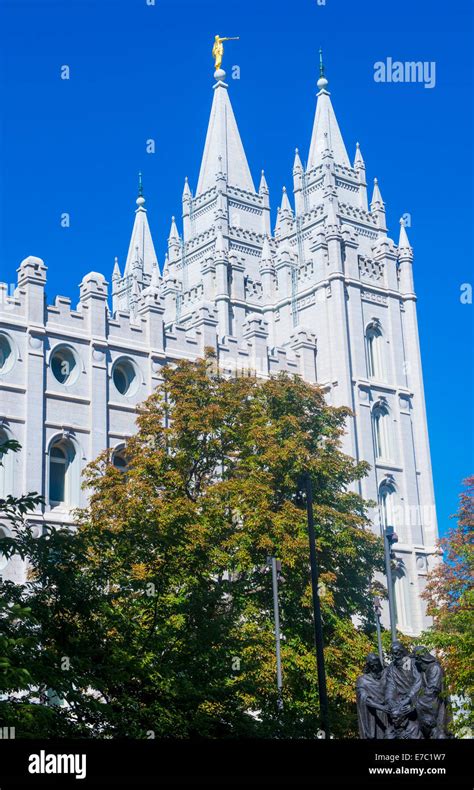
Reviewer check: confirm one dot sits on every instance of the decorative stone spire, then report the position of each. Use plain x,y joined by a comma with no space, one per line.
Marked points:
116,272
174,244
141,243
377,207
223,140
187,195
325,123
377,203
174,235
134,297
155,277
404,248
284,221
285,204
405,264
263,188
358,159
297,166
166,267
359,167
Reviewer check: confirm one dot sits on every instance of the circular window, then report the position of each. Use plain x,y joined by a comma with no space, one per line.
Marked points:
125,377
119,460
64,365
6,354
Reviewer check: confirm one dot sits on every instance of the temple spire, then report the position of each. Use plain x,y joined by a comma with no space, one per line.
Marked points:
297,166
223,149
377,203
263,188
285,207
403,243
141,243
186,189
326,132
358,159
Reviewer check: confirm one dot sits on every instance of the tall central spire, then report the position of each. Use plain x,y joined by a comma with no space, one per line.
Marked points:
326,130
223,150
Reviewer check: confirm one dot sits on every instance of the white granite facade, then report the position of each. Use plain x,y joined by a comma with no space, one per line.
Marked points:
329,295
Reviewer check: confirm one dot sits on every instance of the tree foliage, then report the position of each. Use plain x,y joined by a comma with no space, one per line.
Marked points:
450,601
154,616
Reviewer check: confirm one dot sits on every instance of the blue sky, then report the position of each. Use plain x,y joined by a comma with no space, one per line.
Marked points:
140,71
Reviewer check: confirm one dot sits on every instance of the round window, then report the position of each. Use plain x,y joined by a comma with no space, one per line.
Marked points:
6,354
119,460
64,365
124,375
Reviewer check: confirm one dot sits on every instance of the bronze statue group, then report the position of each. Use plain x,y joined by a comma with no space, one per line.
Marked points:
404,700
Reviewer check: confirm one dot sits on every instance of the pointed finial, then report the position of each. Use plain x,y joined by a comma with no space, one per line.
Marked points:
376,196
174,235
166,267
322,82
285,203
263,188
186,189
403,243
358,159
297,166
155,276
140,199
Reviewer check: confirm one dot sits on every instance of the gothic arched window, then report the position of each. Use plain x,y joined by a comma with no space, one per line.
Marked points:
63,480
375,356
381,421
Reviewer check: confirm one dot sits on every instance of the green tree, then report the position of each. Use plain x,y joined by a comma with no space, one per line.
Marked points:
159,604
450,601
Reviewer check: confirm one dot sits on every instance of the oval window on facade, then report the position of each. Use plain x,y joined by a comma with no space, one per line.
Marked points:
6,354
64,365
125,377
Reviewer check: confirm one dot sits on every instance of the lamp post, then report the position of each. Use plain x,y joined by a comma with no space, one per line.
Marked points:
318,626
378,612
276,568
389,538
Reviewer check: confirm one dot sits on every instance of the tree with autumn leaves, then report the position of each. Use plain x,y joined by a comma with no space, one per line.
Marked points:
450,601
154,616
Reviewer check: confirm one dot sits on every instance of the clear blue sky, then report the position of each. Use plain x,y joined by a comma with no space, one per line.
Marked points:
141,71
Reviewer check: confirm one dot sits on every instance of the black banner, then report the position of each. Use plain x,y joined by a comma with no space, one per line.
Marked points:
319,763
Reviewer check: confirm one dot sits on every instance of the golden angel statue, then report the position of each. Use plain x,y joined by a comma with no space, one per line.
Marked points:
218,49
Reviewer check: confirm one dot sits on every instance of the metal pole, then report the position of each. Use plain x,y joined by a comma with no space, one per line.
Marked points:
276,614
318,626
388,535
377,611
